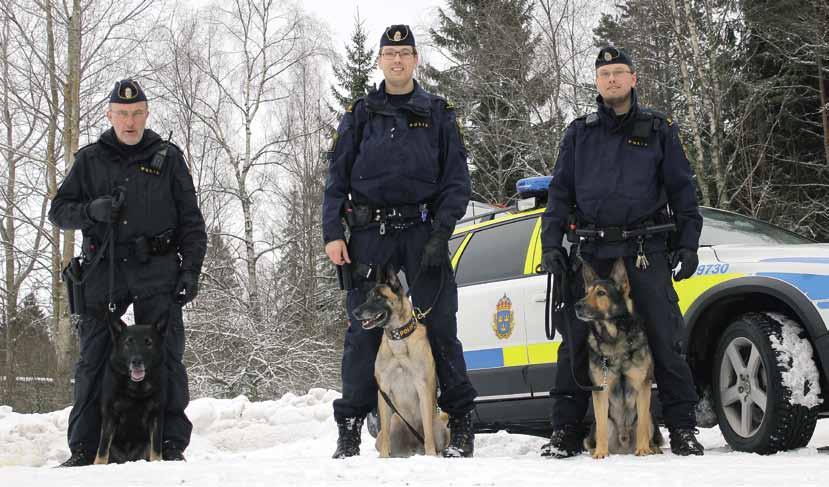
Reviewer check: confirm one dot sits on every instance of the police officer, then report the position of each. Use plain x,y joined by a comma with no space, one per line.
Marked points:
618,169
136,188
398,168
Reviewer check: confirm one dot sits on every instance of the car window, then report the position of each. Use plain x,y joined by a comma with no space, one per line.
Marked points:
495,253
722,227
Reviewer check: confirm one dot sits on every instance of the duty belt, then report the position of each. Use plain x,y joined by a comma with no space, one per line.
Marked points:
397,217
620,234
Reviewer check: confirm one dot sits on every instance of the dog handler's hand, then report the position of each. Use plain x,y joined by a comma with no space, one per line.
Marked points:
554,261
436,250
689,260
337,251
187,287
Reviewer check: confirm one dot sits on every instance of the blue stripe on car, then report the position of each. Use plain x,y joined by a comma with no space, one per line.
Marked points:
800,260
815,287
484,359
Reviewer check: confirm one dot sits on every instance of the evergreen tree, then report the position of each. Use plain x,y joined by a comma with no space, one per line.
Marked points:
354,75
491,78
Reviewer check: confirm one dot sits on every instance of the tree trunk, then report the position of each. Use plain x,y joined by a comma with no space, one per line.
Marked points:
697,162
71,129
8,232
706,73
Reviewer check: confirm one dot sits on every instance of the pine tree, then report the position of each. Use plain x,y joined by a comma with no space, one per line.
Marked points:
492,78
354,75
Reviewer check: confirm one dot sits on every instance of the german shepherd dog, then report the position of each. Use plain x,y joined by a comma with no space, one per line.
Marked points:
405,371
131,397
621,361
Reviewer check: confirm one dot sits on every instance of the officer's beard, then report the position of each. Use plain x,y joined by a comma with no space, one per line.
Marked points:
619,104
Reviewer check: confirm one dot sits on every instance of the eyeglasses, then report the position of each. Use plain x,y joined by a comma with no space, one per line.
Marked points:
404,54
124,115
616,73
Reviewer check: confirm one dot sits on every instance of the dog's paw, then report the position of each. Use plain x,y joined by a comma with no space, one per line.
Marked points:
640,452
598,455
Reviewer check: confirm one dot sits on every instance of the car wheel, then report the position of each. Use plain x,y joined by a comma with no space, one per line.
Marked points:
753,401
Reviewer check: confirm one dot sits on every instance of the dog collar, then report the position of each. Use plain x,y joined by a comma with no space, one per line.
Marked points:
404,331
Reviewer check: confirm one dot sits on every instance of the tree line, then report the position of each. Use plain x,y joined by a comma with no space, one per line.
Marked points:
245,88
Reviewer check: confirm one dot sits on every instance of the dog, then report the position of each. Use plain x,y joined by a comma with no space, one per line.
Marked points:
131,395
405,371
620,361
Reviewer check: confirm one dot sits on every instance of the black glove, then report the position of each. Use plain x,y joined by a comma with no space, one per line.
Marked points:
689,260
101,210
187,287
106,209
436,250
554,261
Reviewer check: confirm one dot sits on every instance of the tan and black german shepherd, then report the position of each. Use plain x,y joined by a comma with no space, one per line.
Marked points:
621,361
405,371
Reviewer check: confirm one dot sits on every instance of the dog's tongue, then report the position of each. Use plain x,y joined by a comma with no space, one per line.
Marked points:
137,375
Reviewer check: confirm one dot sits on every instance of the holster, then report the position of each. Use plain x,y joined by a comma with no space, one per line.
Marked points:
344,277
72,276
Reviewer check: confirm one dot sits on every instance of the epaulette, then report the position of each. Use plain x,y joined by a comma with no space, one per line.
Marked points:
353,105
590,120
87,146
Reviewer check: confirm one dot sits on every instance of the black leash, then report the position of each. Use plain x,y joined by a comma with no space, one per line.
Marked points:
394,409
561,298
418,313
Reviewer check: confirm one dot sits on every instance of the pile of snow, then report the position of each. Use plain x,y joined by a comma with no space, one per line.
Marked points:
289,441
795,356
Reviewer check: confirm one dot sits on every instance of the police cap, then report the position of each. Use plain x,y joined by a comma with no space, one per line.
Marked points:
397,35
611,55
127,91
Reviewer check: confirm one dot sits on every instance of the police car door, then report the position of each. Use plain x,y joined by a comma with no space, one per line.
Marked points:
491,264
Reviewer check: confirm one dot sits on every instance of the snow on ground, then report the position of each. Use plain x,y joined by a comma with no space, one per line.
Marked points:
289,442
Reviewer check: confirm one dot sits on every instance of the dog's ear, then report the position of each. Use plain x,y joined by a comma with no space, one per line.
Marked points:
620,276
391,279
588,274
116,327
160,324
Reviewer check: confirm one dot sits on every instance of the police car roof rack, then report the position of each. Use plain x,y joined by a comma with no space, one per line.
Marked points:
486,216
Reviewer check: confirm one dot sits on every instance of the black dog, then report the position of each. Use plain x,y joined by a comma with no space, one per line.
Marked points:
131,397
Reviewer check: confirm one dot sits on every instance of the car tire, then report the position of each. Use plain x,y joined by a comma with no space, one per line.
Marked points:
753,405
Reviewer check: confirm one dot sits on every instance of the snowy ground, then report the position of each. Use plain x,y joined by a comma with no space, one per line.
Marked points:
289,442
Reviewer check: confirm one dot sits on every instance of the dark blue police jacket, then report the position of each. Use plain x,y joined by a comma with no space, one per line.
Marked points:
387,156
614,178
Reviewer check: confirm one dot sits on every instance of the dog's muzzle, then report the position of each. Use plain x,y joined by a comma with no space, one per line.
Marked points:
137,375
373,321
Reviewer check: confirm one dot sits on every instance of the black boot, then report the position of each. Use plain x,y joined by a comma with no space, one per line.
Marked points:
461,437
171,452
80,457
684,442
348,442
565,442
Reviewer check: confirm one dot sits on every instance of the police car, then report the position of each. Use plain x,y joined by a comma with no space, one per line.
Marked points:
756,313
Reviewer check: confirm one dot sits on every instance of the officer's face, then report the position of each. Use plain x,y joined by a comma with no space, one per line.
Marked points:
128,120
614,82
398,63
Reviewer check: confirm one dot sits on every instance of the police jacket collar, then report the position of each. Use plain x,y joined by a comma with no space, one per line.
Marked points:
147,146
420,102
609,118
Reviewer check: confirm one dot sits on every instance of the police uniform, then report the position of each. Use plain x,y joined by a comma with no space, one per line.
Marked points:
400,160
159,236
619,172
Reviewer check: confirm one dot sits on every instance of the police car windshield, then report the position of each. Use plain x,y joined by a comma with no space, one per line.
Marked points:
723,227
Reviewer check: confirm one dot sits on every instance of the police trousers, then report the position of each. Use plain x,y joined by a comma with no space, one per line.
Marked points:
403,249
656,301
95,347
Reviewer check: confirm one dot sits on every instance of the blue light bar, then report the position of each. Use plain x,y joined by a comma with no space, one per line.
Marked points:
536,186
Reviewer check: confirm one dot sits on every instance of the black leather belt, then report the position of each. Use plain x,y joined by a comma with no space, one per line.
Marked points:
621,234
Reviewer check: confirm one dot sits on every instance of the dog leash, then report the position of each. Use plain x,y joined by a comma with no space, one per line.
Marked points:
418,313
561,298
394,409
